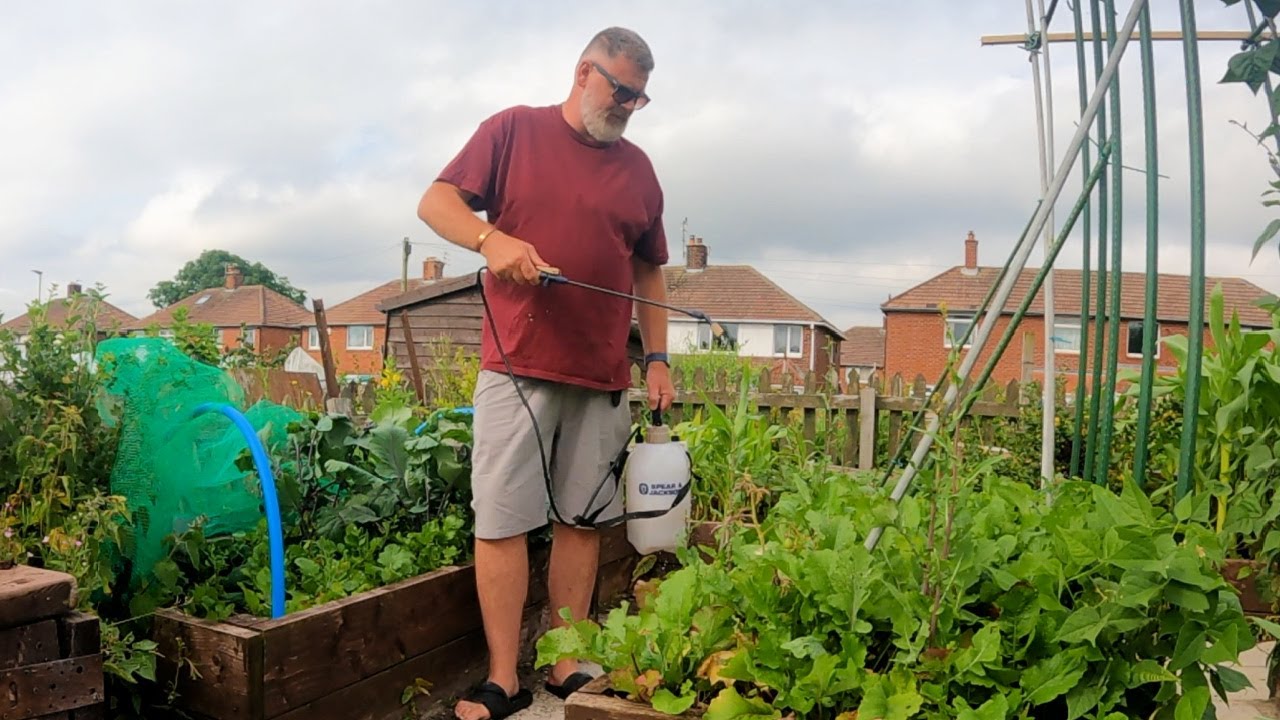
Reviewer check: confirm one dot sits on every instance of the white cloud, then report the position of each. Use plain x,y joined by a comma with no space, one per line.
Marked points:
845,150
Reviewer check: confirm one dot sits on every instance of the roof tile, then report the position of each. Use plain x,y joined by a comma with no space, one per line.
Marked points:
862,347
965,292
251,305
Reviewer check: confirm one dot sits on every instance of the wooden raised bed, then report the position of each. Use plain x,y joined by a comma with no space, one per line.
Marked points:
593,702
352,658
1247,587
50,654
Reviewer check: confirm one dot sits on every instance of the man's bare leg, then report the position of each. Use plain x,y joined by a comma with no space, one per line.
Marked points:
575,559
502,582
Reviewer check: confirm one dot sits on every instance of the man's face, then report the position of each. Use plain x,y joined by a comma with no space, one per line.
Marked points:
608,82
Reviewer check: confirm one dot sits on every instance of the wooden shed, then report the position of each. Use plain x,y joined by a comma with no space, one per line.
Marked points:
450,307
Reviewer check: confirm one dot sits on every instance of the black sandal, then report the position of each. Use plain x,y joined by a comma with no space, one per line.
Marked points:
497,702
571,685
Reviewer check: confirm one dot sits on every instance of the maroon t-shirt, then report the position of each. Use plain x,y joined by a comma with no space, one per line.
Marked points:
586,208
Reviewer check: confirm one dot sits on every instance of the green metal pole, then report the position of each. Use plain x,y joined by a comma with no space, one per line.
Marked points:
1195,323
1083,358
1090,181
1108,401
1153,232
1095,395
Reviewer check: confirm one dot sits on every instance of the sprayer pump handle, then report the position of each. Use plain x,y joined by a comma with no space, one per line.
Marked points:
657,417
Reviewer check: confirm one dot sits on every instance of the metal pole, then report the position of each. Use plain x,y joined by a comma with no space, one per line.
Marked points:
1087,236
1095,393
1038,281
1153,230
1019,261
1044,136
1117,276
1195,322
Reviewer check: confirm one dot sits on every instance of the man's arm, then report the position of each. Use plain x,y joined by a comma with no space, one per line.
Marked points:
650,284
446,210
653,320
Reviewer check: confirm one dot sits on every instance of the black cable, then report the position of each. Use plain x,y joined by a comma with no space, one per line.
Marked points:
615,468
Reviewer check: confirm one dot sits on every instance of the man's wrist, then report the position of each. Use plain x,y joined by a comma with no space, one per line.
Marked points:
654,357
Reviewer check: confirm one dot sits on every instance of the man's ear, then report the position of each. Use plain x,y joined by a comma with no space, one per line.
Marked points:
581,73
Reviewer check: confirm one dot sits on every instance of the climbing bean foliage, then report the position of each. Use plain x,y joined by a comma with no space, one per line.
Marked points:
984,599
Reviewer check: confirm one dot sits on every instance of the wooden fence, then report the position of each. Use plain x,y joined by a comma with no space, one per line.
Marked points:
863,422
858,424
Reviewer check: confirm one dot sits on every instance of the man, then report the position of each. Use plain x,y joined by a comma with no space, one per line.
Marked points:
560,188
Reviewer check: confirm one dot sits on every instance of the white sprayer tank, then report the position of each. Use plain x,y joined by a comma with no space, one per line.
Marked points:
656,471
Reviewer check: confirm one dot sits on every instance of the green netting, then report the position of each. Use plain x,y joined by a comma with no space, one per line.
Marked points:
173,467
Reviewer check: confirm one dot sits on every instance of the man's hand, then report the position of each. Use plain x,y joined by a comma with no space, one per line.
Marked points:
661,392
512,259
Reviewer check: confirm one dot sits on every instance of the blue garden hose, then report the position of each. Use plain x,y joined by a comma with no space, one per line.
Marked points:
274,534
431,418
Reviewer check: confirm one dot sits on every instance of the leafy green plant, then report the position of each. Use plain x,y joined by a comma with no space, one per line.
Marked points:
983,599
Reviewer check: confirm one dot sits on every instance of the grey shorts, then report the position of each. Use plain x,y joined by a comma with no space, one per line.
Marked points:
582,434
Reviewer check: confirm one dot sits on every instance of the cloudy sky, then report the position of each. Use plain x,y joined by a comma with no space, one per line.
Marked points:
845,150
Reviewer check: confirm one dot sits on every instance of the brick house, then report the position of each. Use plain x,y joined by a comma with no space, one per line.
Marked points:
108,319
862,351
918,338
358,327
270,320
762,321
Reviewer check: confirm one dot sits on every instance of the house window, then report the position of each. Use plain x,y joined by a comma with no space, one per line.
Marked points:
313,338
1134,348
729,341
788,340
360,337
250,337
1067,335
957,326
166,333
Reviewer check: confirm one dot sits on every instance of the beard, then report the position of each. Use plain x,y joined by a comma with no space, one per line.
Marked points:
604,121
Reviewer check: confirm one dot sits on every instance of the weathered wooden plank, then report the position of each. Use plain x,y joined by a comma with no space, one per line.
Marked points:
29,644
29,594
448,310
79,633
867,430
449,670
363,635
32,691
228,658
591,703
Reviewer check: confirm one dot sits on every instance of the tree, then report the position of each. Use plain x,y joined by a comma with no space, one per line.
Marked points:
210,270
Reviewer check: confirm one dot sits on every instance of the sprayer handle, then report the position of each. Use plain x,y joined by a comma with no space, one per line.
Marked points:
657,417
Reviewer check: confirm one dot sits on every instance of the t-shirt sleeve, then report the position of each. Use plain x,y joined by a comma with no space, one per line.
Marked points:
652,245
475,167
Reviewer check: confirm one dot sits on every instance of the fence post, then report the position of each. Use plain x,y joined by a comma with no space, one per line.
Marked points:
867,421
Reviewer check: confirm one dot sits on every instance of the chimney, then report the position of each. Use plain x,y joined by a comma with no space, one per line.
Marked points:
970,254
74,289
697,254
234,277
432,269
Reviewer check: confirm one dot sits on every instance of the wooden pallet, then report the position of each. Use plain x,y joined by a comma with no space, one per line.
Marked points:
50,654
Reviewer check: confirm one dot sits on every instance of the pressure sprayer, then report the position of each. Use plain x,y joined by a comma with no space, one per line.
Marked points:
658,472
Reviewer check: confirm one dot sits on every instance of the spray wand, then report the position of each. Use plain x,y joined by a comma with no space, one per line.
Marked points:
552,275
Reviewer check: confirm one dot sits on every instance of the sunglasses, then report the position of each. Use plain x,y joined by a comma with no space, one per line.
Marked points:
621,93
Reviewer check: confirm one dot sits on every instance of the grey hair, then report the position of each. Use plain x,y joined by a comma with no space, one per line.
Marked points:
616,41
